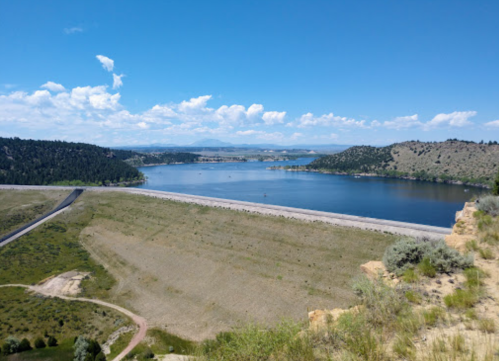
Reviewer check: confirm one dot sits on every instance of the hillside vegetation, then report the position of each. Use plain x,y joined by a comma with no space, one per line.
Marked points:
43,162
449,161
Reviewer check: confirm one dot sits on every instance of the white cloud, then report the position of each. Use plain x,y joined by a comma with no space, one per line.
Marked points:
295,136
493,124
405,122
260,134
106,62
143,125
50,85
194,104
271,118
117,82
327,120
455,119
73,30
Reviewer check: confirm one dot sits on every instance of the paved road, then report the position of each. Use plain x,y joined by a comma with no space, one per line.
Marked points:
33,224
381,225
141,322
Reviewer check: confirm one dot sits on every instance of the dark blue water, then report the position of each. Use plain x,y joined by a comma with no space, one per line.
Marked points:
399,200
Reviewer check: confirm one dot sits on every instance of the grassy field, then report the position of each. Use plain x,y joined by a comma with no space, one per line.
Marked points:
192,270
26,315
198,270
20,207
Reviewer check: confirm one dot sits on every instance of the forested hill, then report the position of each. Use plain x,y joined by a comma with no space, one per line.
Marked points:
452,160
142,159
57,162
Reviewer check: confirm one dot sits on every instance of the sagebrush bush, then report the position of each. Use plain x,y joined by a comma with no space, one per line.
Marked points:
408,253
489,204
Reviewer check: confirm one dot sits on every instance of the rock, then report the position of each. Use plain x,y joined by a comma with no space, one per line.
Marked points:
451,280
321,319
375,269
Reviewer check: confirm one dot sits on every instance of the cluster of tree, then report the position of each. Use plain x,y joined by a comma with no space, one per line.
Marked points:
51,162
13,345
361,159
87,350
490,142
141,159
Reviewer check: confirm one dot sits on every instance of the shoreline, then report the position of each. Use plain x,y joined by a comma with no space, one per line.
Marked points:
343,220
438,180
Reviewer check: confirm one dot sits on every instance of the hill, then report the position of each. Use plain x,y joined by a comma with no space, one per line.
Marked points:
51,162
451,161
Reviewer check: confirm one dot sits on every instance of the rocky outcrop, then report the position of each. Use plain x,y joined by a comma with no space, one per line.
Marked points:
321,319
465,228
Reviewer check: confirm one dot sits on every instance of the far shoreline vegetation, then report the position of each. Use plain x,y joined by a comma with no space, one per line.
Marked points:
450,162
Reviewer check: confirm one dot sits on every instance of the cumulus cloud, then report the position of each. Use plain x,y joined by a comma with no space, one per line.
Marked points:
455,119
73,30
106,62
54,87
117,82
405,122
327,120
271,118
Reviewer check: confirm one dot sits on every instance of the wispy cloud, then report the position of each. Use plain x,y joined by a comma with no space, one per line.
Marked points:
73,30
106,62
117,82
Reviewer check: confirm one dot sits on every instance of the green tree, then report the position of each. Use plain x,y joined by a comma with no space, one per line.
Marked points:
24,345
495,186
52,341
39,343
80,347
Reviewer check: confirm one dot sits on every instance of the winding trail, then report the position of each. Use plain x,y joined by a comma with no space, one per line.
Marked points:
140,321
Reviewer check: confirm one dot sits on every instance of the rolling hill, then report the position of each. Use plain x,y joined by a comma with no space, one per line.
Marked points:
452,161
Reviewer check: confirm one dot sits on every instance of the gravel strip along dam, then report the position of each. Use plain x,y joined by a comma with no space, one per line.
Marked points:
373,224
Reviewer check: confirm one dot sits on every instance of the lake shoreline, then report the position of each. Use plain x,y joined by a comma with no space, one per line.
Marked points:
372,175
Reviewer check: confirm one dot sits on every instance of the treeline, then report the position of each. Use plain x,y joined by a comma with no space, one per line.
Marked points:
56,162
361,159
141,159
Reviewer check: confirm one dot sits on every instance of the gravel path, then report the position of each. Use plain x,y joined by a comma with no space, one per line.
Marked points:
380,225
141,322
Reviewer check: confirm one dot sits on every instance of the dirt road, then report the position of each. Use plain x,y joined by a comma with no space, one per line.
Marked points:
141,322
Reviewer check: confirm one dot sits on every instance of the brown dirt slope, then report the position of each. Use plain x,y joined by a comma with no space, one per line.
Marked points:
196,271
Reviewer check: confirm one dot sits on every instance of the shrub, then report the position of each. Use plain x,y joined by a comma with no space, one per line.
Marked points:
254,342
426,268
24,345
433,315
11,345
52,341
147,354
489,204
486,253
410,276
407,253
413,297
487,325
39,343
472,246
80,347
474,277
100,357
382,302
461,299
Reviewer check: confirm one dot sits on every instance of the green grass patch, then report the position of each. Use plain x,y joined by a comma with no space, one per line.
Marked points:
486,253
474,277
426,268
63,352
410,276
462,299
164,342
26,315
433,315
120,344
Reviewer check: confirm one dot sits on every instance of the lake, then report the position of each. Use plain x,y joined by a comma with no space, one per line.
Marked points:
399,200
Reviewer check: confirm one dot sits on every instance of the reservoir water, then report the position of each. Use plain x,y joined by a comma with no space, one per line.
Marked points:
400,200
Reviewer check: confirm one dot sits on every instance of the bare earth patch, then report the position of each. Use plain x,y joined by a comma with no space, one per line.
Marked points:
196,271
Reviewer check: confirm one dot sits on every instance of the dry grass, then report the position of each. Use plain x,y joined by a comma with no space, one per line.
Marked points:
20,207
199,270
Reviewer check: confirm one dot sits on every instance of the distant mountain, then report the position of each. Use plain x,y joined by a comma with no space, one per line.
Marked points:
210,143
448,161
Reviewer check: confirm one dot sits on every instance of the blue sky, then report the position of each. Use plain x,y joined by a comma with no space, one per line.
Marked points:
283,72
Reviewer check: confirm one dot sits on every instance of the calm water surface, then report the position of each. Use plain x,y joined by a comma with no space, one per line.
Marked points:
399,200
